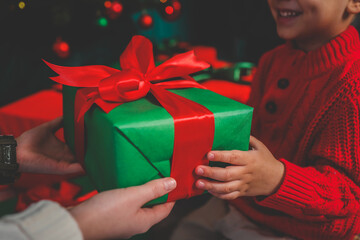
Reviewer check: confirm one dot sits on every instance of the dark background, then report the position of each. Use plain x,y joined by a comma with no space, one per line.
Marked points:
241,30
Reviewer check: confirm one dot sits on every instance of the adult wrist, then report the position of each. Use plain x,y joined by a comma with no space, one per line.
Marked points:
79,214
8,161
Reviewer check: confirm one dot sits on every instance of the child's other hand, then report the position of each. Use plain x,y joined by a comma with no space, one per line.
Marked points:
252,173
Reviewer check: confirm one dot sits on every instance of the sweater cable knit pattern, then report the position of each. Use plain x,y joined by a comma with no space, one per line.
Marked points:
315,134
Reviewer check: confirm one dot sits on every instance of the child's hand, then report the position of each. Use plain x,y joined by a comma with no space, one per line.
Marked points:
253,173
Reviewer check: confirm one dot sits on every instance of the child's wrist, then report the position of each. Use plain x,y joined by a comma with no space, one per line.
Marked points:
278,179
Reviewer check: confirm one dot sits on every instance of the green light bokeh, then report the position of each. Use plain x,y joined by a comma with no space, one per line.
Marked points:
103,22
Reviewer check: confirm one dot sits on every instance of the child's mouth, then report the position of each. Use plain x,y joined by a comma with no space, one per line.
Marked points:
288,13
287,16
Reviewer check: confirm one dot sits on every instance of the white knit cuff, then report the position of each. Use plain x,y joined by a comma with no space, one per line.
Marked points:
46,220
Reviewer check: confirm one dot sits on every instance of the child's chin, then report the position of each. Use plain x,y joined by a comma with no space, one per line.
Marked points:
286,34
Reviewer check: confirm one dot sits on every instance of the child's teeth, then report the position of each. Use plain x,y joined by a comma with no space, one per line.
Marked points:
288,13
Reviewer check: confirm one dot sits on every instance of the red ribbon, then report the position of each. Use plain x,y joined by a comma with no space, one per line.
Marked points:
109,88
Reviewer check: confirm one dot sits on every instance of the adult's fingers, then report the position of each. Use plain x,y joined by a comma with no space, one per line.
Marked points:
154,189
43,164
55,124
151,216
70,168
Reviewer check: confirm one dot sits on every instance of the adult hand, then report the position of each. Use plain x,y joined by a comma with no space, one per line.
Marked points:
40,151
251,173
119,214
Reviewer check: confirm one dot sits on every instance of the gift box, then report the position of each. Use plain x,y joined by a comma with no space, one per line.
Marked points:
126,136
233,81
28,112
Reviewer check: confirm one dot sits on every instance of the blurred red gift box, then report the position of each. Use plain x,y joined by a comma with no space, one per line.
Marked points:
27,113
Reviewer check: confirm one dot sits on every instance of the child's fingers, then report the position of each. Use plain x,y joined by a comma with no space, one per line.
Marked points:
229,173
234,157
255,143
220,187
228,196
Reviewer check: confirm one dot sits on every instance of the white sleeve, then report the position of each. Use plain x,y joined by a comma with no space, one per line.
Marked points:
42,220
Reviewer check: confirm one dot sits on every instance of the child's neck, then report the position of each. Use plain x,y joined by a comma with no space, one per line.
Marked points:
308,46
315,42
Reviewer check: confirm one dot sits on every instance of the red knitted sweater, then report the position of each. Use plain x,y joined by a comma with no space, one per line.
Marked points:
307,112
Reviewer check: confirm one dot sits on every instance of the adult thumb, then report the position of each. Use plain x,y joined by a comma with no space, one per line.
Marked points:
55,124
155,189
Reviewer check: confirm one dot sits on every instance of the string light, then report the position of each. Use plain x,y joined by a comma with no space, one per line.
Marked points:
176,5
113,9
146,21
61,48
22,5
107,4
64,47
163,1
117,7
169,10
103,22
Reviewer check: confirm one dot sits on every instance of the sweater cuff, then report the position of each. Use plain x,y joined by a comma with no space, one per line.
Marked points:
46,220
296,191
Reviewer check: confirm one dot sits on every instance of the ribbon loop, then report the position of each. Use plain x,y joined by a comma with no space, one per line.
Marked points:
138,55
123,87
140,90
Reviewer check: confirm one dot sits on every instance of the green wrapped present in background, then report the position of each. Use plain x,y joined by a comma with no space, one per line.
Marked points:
128,128
240,72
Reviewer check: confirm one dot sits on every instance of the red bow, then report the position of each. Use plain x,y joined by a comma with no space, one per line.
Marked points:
137,75
108,88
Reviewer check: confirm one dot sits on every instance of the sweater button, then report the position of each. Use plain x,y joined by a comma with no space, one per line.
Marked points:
270,107
283,83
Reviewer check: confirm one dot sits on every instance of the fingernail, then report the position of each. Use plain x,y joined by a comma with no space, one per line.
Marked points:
211,156
200,171
200,184
170,184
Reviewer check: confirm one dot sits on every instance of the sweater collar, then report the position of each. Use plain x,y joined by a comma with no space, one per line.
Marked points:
328,56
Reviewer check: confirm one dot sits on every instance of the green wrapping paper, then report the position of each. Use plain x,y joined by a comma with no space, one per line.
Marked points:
133,143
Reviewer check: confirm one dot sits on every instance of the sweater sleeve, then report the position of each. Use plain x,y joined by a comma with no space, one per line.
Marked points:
329,187
42,220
